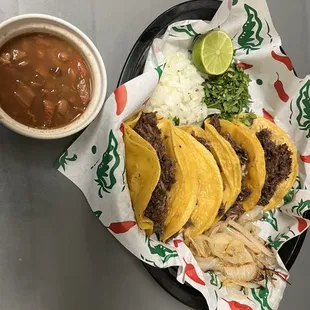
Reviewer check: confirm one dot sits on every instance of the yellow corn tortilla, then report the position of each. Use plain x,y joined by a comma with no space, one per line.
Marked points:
182,198
142,172
279,137
256,171
228,162
210,186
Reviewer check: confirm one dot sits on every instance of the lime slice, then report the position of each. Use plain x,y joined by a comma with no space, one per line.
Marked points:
213,52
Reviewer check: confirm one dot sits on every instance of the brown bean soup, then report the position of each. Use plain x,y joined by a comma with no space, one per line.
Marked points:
45,81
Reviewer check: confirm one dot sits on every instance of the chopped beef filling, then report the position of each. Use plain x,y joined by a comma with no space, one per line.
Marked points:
215,122
207,145
278,160
241,153
156,210
237,209
203,141
220,167
188,224
259,278
221,211
244,194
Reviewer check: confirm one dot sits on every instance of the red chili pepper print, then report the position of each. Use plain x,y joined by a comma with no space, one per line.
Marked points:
120,98
177,242
229,4
235,305
268,116
284,59
121,227
244,66
305,158
190,271
121,128
278,85
283,275
302,224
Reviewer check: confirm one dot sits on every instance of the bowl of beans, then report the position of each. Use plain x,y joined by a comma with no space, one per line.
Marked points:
53,79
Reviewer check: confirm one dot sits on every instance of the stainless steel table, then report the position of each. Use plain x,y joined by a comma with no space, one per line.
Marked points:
54,254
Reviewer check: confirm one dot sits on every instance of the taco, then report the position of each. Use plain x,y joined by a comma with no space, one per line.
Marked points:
252,161
210,185
281,162
160,173
226,160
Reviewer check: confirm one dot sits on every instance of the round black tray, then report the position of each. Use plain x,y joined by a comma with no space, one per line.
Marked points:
134,65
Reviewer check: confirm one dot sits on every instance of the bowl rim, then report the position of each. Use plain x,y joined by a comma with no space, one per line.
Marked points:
78,124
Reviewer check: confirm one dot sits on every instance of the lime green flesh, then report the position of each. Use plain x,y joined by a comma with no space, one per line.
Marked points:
213,53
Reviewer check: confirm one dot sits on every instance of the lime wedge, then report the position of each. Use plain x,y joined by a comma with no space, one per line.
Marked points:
213,52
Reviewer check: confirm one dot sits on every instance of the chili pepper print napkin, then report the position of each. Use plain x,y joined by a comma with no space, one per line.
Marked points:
95,161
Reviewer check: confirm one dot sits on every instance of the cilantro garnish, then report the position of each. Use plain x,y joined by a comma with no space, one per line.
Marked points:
176,121
247,118
229,92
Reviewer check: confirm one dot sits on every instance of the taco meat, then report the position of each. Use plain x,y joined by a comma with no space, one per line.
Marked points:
156,210
241,153
278,160
236,209
203,141
188,224
221,210
215,122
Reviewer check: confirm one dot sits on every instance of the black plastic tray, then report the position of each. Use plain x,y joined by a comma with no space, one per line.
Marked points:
134,65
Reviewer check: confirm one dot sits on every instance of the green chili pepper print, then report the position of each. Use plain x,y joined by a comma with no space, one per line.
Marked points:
269,217
301,207
150,262
214,279
123,177
279,240
162,251
98,213
303,109
261,296
235,2
250,39
106,179
288,198
188,29
298,184
62,160
268,31
292,112
160,70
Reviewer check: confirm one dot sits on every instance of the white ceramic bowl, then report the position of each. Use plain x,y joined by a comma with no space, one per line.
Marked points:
48,24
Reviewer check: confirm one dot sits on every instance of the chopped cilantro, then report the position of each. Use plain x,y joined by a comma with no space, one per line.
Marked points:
176,121
229,92
247,118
